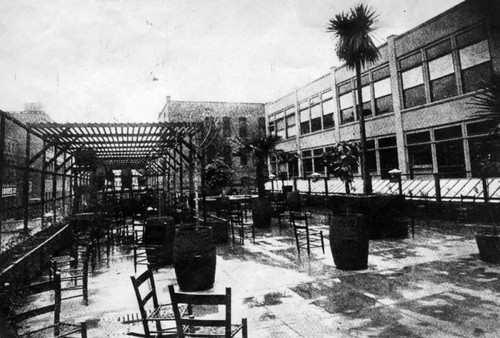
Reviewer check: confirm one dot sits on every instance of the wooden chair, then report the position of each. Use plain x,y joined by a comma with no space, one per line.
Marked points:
74,276
189,326
151,311
238,226
144,254
280,211
58,328
305,238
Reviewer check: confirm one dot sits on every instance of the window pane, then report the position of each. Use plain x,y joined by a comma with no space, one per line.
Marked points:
242,126
383,105
316,111
450,159
420,155
480,128
262,123
441,66
380,73
226,126
328,121
414,96
367,109
304,128
304,115
439,49
448,133
412,77
443,87
366,93
280,115
316,124
474,55
307,153
326,96
291,131
371,160
328,107
477,77
346,101
280,124
281,133
370,144
308,166
290,120
387,142
388,161
410,61
319,167
347,115
471,36
420,137
382,87
344,88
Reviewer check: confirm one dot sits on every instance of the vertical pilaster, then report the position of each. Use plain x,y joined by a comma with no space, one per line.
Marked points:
26,179
2,165
397,104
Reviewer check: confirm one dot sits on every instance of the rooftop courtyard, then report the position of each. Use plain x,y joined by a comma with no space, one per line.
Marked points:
432,285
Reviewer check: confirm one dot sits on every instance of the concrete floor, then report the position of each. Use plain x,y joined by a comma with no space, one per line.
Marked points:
431,286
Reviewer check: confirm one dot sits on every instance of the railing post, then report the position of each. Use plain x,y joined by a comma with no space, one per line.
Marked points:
309,185
326,186
437,188
484,181
295,184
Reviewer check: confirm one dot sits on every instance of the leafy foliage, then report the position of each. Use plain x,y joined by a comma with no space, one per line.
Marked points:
487,105
343,160
218,175
353,29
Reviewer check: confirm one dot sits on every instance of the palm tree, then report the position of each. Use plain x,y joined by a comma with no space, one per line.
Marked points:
356,48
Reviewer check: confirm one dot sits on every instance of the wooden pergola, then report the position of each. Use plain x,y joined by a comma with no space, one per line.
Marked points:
155,149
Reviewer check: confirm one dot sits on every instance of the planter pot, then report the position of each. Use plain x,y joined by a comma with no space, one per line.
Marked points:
262,213
489,247
382,212
349,241
194,258
160,232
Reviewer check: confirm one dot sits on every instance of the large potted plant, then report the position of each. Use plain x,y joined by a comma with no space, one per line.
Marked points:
349,240
260,146
487,105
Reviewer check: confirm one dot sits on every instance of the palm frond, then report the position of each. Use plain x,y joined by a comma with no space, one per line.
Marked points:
487,103
353,30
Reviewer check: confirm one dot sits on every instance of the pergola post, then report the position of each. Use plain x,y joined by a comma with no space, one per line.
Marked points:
2,166
54,188
42,181
181,172
64,185
26,179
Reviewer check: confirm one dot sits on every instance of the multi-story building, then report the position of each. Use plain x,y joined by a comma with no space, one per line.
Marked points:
416,100
232,120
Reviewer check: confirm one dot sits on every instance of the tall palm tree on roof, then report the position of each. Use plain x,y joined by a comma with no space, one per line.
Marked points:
356,48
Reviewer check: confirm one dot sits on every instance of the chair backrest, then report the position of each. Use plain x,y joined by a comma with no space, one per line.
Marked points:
468,199
299,216
144,299
201,299
34,289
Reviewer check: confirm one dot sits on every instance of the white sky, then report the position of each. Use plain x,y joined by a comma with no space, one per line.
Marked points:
117,60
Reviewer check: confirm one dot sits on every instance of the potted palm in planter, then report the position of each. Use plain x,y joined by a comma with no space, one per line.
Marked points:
260,146
349,239
487,104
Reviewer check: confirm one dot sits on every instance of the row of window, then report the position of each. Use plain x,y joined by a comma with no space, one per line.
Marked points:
453,66
242,126
457,65
447,149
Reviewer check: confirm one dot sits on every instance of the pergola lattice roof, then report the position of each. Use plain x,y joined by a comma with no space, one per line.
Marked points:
117,145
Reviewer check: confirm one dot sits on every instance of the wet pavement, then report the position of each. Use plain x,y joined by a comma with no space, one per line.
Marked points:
431,286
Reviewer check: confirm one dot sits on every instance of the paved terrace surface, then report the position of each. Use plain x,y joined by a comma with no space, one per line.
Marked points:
431,286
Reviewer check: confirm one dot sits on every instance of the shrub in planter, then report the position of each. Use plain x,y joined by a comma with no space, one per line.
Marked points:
487,105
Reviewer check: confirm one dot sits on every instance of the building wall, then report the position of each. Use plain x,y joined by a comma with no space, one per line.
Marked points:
423,82
230,119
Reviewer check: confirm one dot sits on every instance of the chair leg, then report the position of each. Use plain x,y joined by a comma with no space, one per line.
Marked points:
85,282
83,328
322,242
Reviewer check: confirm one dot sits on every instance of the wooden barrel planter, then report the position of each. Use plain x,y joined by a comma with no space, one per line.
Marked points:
349,241
488,244
159,240
194,258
